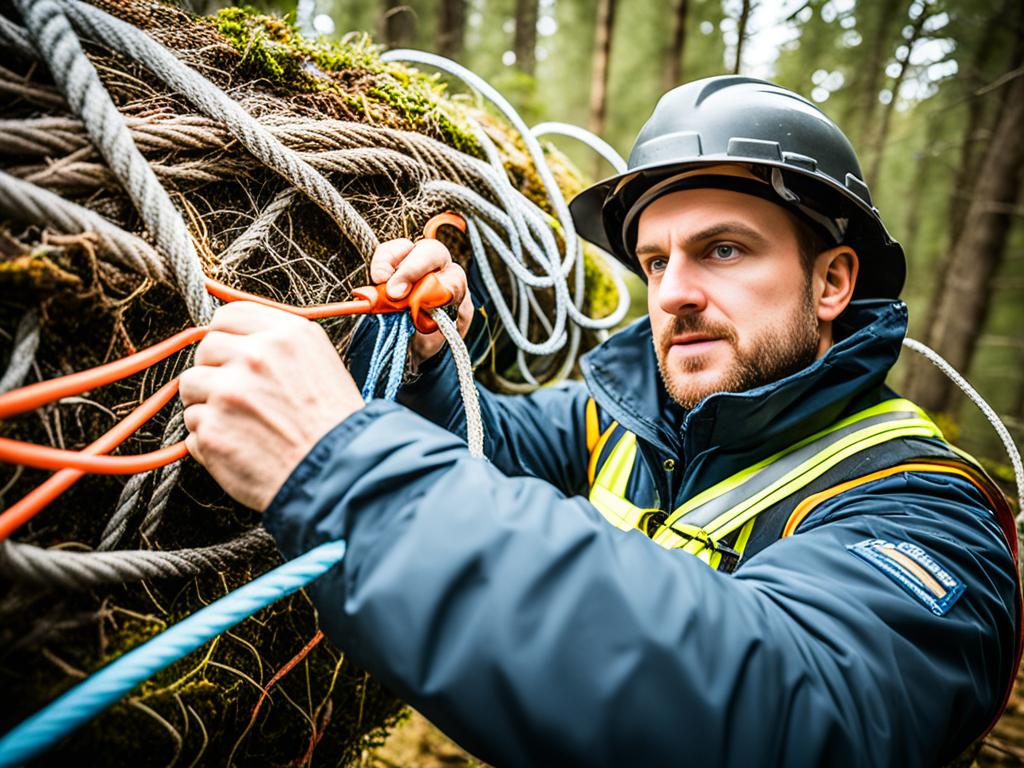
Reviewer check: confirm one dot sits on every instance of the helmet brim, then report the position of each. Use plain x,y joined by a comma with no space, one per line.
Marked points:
882,270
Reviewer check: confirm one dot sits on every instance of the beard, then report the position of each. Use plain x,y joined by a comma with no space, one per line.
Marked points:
774,354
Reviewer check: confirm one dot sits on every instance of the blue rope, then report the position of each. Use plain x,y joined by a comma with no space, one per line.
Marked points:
102,689
393,331
93,695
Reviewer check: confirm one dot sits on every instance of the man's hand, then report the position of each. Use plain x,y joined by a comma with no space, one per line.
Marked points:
266,386
401,263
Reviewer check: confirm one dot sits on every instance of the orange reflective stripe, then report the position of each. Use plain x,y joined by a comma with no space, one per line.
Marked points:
803,509
593,427
596,453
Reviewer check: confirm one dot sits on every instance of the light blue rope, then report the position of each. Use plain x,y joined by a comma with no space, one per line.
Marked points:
93,695
390,346
102,689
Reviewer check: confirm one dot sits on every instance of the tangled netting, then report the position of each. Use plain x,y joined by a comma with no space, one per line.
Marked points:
138,155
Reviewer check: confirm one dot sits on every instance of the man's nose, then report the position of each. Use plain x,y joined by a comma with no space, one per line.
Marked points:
681,289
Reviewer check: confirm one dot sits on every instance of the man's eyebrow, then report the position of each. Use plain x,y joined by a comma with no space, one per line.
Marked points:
723,228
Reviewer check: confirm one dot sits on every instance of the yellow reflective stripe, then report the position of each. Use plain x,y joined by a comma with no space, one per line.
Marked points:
803,474
608,492
596,453
617,511
593,428
615,472
889,406
896,405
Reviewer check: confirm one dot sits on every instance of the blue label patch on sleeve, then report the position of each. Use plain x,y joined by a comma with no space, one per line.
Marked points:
914,570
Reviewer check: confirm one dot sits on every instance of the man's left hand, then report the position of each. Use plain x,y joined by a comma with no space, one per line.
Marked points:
266,386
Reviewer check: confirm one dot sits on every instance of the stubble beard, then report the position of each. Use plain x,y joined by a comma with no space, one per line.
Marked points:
773,355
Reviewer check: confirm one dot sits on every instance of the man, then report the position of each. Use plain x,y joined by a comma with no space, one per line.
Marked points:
731,546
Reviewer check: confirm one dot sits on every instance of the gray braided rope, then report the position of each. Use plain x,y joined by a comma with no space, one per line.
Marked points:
78,80
79,176
212,101
28,564
23,352
34,205
127,503
174,432
255,234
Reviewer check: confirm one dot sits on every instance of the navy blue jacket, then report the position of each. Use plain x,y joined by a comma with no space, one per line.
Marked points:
495,599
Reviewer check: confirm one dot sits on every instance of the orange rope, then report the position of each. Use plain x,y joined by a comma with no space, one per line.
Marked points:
71,465
24,510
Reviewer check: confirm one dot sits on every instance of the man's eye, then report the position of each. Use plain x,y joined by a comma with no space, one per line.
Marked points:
724,252
656,265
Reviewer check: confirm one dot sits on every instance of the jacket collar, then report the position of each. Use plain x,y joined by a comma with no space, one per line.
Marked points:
623,378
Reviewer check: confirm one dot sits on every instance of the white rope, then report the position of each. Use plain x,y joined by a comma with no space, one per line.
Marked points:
23,352
527,227
1004,434
592,140
467,387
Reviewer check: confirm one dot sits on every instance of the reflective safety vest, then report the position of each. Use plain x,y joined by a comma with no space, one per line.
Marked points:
746,512
742,514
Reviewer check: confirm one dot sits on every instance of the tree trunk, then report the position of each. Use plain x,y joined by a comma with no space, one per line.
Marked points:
962,301
451,28
868,76
741,34
674,61
525,41
882,135
398,24
977,124
599,72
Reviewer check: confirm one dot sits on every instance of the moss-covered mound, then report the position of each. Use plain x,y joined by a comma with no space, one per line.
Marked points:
263,693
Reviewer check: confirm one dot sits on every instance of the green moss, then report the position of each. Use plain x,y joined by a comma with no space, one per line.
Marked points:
272,49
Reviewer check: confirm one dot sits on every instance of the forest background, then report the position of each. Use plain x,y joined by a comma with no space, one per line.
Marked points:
930,92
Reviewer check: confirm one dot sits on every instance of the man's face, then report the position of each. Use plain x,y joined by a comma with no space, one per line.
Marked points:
730,303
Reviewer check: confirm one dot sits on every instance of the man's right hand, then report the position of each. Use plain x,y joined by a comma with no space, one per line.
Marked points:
401,263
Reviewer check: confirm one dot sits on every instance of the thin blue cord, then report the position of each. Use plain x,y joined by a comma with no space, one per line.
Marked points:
93,695
102,689
393,331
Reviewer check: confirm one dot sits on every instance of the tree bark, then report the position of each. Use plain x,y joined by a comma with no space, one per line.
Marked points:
868,76
599,72
978,122
451,28
525,40
398,24
962,301
674,61
741,34
882,135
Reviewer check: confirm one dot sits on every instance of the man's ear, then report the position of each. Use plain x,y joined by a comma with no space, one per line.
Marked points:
835,275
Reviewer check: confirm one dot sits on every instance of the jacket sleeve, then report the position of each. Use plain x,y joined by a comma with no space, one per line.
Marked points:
534,633
541,435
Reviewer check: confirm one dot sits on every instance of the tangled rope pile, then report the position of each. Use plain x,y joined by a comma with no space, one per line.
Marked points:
502,222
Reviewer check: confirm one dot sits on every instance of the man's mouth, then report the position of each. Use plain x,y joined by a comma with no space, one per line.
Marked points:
694,340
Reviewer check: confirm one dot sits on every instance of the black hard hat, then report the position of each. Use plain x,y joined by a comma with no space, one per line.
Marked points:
804,161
